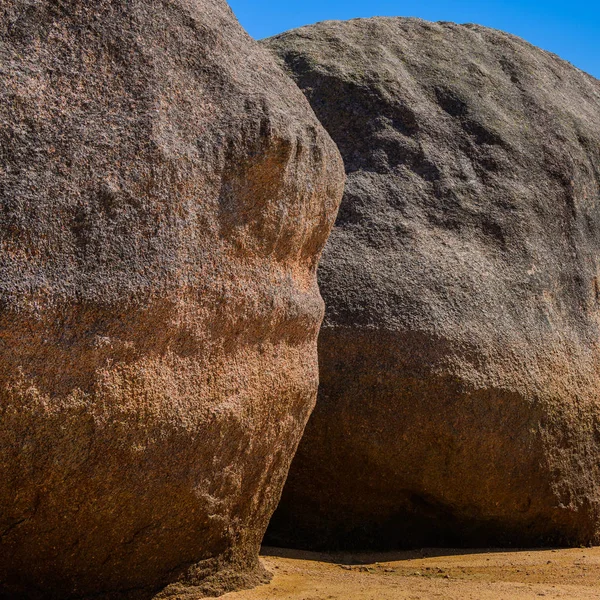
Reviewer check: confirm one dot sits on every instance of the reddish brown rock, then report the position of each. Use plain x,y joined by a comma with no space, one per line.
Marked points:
165,192
459,357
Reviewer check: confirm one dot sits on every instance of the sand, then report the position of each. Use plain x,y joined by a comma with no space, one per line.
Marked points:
430,573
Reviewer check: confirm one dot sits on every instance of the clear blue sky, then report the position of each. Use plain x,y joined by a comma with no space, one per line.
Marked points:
570,28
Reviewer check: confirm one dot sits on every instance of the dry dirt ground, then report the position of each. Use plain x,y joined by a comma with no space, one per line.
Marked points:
430,574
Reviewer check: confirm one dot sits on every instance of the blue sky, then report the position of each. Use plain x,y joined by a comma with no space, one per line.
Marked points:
571,29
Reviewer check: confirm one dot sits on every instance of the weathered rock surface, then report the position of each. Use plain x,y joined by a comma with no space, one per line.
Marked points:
459,359
165,191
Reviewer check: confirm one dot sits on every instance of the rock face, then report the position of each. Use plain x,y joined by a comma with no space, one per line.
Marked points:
165,192
459,359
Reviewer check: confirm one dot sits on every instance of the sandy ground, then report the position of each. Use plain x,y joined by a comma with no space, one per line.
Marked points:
430,573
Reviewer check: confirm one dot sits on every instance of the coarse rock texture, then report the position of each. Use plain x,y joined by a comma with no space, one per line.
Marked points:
459,360
165,192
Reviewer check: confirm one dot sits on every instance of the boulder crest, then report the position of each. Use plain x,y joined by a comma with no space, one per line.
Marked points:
165,193
459,359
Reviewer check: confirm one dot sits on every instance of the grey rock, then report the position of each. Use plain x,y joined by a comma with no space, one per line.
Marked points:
459,358
165,192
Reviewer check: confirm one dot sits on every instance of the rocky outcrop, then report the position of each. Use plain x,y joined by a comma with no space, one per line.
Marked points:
459,359
165,192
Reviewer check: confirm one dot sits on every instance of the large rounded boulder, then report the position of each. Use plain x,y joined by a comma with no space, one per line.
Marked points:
459,357
165,192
